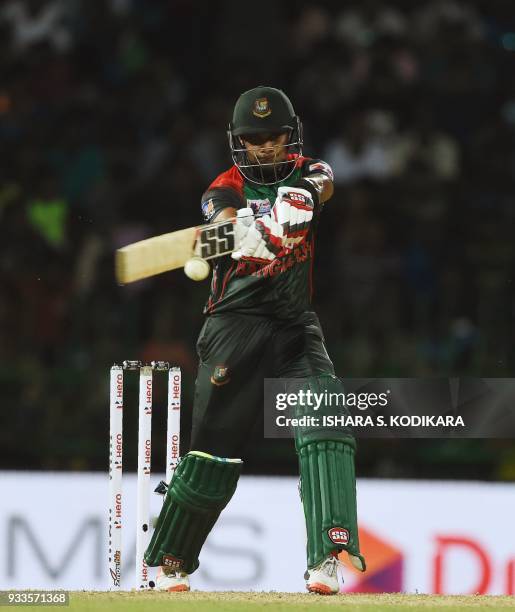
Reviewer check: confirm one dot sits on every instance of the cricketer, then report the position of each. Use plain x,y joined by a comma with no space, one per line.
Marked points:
260,323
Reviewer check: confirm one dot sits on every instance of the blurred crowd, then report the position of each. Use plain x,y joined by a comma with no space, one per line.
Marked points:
112,124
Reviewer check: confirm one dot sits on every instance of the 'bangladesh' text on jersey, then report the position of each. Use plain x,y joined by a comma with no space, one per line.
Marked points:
280,288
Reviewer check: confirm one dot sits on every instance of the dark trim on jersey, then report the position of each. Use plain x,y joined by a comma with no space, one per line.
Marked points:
226,278
211,305
217,199
227,193
311,263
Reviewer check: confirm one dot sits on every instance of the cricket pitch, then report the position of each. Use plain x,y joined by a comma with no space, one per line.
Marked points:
282,602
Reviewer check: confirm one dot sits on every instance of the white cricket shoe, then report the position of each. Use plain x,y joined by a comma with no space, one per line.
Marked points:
323,579
172,580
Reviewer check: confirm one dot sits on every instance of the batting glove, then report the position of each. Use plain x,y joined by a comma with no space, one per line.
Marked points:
261,242
293,210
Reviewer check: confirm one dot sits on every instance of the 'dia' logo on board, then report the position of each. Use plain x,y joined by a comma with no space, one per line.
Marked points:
261,108
385,565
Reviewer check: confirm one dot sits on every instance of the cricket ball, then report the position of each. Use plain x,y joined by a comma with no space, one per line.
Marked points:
196,268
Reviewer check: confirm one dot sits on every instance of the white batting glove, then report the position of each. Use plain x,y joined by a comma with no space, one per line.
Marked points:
244,220
293,210
261,241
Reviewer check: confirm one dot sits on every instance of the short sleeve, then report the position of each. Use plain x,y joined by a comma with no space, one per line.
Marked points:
217,199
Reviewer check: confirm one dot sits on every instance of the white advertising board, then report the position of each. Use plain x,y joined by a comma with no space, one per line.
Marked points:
447,537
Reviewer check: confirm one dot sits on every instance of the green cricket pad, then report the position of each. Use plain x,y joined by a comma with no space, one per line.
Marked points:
328,492
323,385
328,479
327,476
201,487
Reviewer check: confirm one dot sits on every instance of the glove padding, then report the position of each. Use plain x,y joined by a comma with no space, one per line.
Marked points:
260,241
244,221
293,211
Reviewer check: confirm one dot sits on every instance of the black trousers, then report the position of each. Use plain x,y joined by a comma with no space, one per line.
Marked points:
236,353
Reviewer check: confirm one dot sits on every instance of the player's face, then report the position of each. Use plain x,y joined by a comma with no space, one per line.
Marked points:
266,148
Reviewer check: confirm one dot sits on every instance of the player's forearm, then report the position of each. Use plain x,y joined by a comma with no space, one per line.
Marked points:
319,185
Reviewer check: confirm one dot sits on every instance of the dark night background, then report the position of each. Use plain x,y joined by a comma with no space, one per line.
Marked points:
112,124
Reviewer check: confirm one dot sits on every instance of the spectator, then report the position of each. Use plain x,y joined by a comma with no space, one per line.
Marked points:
110,116
355,154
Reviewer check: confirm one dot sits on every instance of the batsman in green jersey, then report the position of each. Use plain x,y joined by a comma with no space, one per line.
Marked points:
260,323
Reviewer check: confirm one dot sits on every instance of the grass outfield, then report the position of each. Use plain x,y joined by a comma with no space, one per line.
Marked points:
283,602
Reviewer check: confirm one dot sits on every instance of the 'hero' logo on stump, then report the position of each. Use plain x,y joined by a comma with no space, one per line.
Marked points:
338,535
261,108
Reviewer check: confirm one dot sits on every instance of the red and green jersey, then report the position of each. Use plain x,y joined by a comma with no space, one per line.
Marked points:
280,288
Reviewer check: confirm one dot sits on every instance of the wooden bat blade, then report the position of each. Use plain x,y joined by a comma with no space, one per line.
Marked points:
171,251
154,255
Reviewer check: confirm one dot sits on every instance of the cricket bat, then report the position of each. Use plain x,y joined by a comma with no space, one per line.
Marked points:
171,251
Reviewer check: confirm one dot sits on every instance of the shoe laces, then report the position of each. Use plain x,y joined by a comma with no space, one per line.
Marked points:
330,566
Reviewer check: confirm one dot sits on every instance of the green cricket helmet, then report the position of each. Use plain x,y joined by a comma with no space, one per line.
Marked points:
264,110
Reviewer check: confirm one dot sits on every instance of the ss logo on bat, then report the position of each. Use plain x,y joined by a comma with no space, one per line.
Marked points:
216,240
